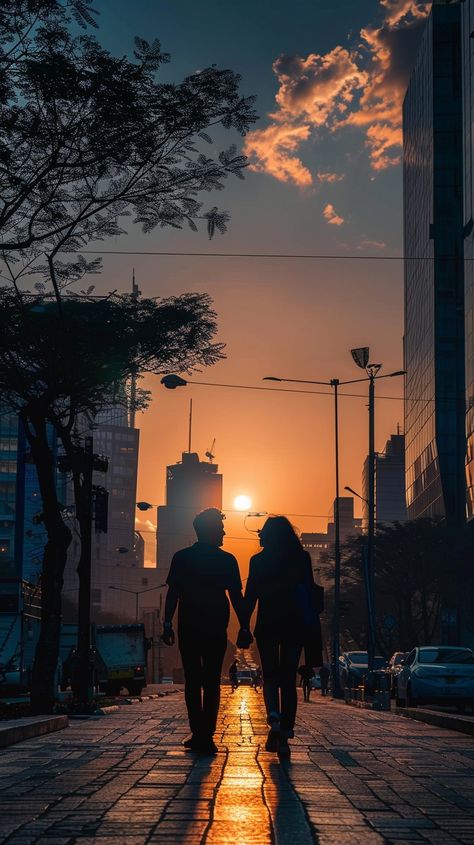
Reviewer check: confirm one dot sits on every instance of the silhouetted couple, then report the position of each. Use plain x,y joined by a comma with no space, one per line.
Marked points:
281,581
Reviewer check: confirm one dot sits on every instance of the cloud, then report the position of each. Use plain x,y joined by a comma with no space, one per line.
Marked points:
372,245
272,151
362,88
330,178
329,213
316,87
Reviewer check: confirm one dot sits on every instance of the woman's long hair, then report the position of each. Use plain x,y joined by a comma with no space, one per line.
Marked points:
280,538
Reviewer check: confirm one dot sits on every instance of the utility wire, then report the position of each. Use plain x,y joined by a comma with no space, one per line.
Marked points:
274,255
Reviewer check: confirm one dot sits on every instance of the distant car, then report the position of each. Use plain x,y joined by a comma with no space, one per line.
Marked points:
245,678
354,667
394,665
437,675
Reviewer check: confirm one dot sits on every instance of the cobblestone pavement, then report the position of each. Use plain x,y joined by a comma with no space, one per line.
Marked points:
355,778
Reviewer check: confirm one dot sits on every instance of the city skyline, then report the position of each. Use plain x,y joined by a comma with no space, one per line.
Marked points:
293,318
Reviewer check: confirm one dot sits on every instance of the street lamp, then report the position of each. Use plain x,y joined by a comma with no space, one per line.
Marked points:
136,593
361,359
334,383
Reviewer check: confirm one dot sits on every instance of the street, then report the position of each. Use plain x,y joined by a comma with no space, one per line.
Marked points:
355,777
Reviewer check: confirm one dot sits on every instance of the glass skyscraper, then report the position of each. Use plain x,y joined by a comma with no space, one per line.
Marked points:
434,344
468,46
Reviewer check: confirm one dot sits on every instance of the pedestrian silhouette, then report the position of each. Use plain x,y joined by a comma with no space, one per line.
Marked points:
324,674
198,580
306,674
233,675
281,581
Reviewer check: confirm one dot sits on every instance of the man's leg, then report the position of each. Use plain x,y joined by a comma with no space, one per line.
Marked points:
212,658
192,664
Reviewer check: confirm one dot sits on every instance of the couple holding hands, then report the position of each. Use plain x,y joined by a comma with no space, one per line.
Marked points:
281,582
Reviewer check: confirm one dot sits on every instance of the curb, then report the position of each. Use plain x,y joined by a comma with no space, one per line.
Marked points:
439,720
21,729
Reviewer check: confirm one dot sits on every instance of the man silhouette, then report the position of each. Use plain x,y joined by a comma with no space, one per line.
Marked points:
198,580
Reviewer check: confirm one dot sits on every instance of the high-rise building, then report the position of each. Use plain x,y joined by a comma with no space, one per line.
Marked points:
191,486
389,499
435,442
319,544
468,231
117,571
22,541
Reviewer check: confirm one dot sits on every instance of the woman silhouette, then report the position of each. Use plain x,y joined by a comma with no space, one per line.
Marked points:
281,580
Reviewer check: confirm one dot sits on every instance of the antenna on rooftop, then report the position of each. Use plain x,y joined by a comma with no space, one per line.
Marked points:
210,452
190,424
133,380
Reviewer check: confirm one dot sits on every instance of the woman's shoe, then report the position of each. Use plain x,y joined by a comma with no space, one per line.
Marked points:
273,740
283,747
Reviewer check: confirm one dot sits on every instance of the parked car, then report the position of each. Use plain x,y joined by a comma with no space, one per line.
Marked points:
354,667
245,677
437,675
394,665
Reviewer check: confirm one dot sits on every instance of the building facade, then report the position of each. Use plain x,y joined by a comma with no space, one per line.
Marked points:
468,231
320,544
434,346
191,486
390,504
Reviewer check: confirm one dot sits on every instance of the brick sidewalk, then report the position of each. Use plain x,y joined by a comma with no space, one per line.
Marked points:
355,778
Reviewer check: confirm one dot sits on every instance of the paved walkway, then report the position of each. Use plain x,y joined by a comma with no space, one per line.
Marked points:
355,778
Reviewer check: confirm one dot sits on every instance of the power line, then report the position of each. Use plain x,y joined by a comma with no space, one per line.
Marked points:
273,255
318,392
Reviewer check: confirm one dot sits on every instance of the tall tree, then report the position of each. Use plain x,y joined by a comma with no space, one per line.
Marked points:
55,367
420,567
88,139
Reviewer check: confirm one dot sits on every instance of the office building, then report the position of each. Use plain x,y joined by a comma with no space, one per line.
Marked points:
435,442
320,545
468,231
22,541
117,572
389,488
191,486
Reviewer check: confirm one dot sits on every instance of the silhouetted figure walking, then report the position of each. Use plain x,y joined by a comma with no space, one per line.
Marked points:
198,580
306,674
233,675
281,581
324,674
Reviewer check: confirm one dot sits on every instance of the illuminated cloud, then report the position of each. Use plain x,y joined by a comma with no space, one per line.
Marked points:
272,151
362,88
329,213
372,245
330,178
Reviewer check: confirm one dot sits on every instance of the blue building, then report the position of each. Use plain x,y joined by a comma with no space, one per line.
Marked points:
22,540
435,438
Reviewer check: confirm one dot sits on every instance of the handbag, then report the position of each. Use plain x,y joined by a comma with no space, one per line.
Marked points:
310,601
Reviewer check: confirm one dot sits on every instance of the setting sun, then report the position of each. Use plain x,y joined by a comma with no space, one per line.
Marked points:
242,503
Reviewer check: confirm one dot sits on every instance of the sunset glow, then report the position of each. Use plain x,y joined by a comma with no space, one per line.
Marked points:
242,503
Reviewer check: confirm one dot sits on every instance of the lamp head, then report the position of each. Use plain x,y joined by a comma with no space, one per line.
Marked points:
361,356
173,381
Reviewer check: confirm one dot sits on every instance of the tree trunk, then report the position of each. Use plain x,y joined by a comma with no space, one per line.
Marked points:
54,562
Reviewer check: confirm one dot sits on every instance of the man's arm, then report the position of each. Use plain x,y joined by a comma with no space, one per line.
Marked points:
171,604
239,606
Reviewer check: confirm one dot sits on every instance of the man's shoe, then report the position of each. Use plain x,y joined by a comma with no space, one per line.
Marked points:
190,741
205,746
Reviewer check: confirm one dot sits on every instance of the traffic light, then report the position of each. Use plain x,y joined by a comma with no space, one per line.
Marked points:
100,504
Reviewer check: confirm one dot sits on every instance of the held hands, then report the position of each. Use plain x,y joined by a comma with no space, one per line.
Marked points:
244,639
168,634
